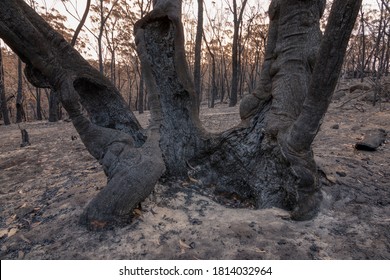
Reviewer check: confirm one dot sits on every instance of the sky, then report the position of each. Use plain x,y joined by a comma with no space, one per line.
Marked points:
80,4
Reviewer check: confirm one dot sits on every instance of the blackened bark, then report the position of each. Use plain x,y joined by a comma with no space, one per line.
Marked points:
19,97
3,99
325,75
25,138
198,52
130,156
39,107
53,107
141,91
160,43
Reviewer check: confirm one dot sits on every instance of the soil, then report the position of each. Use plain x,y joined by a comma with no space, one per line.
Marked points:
45,186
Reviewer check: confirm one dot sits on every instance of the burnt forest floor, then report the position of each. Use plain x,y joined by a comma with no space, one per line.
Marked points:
45,186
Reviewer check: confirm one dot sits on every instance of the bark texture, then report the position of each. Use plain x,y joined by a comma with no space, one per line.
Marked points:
111,133
160,43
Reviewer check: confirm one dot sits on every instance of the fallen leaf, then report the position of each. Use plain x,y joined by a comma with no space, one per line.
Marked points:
183,245
137,212
193,180
34,225
24,238
20,255
260,250
22,206
3,233
10,220
12,232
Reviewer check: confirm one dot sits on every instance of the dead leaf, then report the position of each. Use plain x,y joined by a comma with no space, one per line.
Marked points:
22,206
34,225
331,178
12,232
10,220
183,245
258,250
193,180
20,255
24,238
3,233
137,212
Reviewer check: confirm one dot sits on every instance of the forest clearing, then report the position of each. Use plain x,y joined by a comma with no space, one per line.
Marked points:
44,188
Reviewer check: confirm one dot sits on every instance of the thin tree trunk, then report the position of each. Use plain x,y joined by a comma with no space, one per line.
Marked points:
141,91
39,108
3,99
19,97
235,51
198,52
53,106
363,48
81,23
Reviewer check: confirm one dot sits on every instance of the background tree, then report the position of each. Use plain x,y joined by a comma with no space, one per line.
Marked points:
198,53
103,14
20,115
3,99
238,12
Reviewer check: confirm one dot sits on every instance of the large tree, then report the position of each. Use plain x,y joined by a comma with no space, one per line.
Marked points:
268,158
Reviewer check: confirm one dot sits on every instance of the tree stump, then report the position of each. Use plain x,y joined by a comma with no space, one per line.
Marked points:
25,138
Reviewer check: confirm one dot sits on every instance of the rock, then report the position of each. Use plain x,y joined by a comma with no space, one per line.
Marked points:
335,126
372,140
341,173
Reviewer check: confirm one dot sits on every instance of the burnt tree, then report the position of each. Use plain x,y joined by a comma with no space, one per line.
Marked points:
267,158
3,99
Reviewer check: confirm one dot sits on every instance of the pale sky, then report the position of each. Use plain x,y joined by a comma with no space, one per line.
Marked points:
80,4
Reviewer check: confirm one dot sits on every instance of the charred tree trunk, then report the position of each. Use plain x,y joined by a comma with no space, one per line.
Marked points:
198,52
19,97
267,158
53,106
3,99
141,91
39,107
237,21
